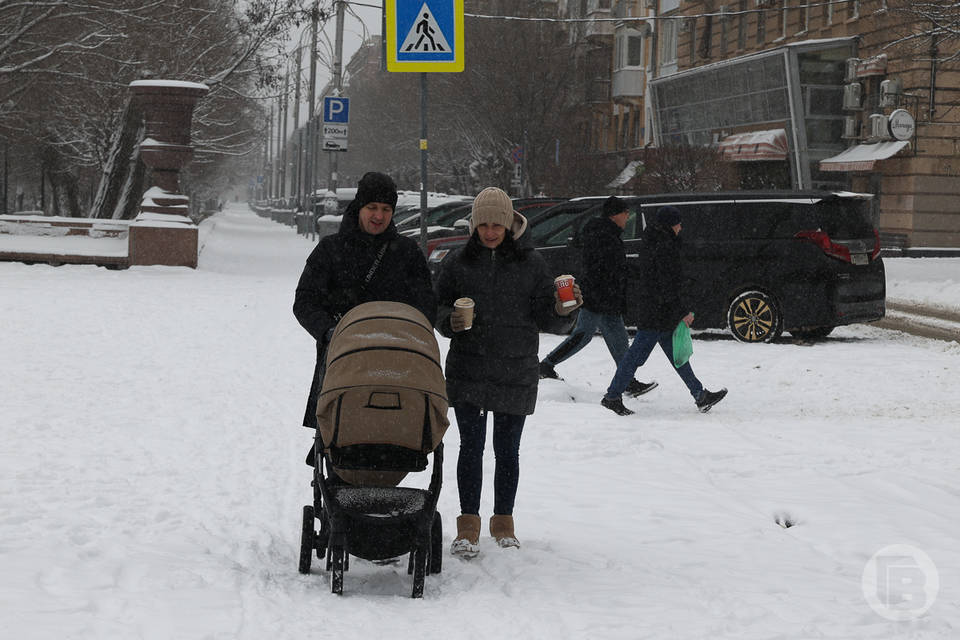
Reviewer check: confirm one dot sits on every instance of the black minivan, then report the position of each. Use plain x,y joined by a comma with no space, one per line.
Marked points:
759,262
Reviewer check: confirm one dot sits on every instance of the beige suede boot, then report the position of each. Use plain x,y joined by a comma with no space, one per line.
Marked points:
501,528
467,542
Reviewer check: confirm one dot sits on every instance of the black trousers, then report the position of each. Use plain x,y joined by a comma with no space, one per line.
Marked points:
507,429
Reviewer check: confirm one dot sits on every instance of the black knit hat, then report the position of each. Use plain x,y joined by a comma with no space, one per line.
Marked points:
613,206
376,187
668,216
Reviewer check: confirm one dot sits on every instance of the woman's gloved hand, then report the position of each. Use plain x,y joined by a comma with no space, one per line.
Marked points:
565,311
458,320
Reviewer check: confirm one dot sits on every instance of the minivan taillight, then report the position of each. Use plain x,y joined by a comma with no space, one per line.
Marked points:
822,240
831,248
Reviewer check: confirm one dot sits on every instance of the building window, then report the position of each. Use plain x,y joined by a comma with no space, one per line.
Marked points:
742,25
627,49
828,13
668,44
761,24
723,31
692,27
784,12
804,16
707,36
854,9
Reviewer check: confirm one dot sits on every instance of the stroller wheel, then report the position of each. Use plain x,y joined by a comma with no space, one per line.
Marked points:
435,561
419,571
307,539
336,570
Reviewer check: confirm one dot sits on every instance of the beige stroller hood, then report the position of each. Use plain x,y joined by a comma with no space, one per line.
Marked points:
383,385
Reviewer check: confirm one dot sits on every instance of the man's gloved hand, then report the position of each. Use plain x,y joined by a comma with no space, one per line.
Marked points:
565,311
458,320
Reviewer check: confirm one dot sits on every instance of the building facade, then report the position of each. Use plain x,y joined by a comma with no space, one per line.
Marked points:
852,94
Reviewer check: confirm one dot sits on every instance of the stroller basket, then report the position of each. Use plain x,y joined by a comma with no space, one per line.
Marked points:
394,501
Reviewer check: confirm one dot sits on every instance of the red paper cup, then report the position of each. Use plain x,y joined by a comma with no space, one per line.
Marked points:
565,290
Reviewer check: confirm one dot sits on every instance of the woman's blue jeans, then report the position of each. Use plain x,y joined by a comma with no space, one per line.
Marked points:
507,428
643,343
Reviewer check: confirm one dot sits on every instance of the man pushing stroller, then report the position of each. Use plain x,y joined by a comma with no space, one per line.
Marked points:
365,261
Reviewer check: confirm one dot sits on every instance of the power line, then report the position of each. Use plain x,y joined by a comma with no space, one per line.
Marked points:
684,16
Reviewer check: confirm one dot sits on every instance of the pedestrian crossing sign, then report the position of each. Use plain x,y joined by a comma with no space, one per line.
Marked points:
424,35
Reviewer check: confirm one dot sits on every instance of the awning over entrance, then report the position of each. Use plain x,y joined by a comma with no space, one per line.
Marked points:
861,157
632,169
755,145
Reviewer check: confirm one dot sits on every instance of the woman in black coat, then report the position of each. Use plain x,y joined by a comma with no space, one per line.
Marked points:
365,260
492,366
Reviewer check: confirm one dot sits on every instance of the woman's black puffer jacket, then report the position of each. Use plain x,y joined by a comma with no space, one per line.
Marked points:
494,365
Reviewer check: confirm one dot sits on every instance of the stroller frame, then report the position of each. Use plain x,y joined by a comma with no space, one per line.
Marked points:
373,523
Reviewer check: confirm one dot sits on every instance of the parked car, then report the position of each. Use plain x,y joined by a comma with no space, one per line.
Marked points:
444,241
434,214
758,262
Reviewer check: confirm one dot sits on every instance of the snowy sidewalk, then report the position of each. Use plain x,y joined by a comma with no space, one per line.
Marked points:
153,475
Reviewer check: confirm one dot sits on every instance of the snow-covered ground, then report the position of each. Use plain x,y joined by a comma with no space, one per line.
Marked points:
152,475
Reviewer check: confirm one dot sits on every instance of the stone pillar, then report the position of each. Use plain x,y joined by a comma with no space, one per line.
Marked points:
162,232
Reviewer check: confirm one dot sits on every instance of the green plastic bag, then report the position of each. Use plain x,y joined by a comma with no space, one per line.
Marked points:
682,345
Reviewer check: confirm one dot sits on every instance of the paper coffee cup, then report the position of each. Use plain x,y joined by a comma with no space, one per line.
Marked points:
467,305
565,290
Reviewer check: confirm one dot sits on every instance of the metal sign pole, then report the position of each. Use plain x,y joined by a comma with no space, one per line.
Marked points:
423,162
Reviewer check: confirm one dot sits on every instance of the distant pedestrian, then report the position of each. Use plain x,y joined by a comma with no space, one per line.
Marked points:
603,280
365,260
492,365
664,308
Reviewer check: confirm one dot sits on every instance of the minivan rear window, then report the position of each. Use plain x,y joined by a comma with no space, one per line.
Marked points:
845,219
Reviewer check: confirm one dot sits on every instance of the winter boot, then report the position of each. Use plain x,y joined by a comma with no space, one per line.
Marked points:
637,388
501,528
616,405
709,398
547,371
467,542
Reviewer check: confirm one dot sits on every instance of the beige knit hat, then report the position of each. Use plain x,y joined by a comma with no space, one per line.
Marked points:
493,206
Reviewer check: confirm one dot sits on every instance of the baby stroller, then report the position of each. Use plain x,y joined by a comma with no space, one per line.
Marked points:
381,411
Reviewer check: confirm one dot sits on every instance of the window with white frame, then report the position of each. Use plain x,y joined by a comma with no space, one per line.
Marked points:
723,31
627,49
804,16
742,24
828,12
668,43
783,18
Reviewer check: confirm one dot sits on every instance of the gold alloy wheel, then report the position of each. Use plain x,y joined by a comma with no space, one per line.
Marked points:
753,318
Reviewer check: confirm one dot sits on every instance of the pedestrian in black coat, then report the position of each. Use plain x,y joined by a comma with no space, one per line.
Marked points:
492,365
603,278
661,286
365,260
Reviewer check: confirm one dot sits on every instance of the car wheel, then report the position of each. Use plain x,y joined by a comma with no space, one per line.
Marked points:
812,334
754,316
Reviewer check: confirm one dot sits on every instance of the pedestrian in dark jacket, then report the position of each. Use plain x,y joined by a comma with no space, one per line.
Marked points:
664,308
492,365
603,280
365,260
